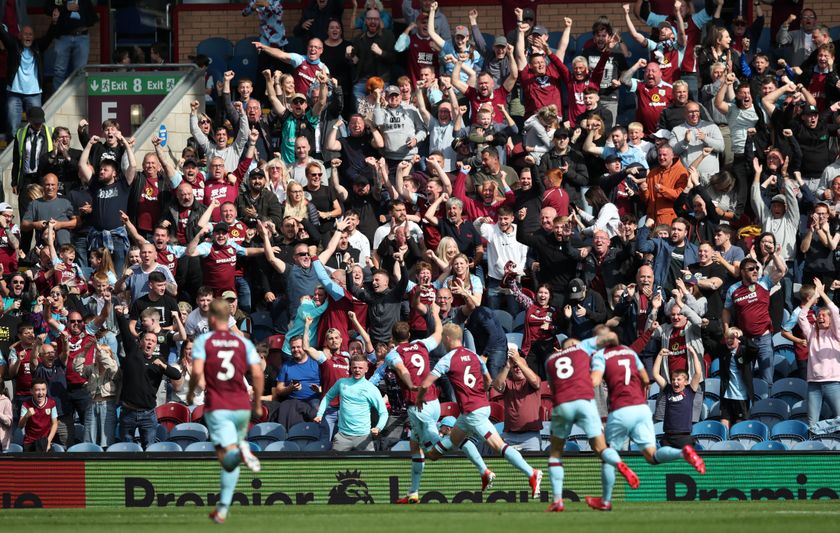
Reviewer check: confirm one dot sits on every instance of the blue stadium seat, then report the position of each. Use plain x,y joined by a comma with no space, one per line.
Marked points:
769,446
489,38
282,446
58,448
810,446
711,389
571,446
637,50
134,27
262,326
714,368
761,389
304,431
254,446
714,412
554,40
205,446
220,51
519,322
799,411
317,447
17,436
515,338
79,432
170,447
187,433
265,433
244,61
401,446
726,446
504,319
832,442
653,391
781,367
578,436
131,447
789,432
778,340
769,411
749,431
85,447
295,45
791,390
14,448
652,406
580,41
708,432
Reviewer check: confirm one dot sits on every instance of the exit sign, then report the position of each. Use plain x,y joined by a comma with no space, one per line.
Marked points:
132,83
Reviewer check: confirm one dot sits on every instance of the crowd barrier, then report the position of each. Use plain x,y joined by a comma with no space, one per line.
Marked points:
176,480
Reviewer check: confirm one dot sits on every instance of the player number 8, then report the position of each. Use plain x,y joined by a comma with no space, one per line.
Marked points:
418,362
564,368
469,379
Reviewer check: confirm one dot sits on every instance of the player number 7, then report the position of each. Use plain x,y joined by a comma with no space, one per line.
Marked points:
626,364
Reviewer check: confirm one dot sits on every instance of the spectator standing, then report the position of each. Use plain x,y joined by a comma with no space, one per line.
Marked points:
679,393
72,44
736,378
372,52
102,386
38,419
46,209
31,142
823,353
520,389
653,94
663,186
272,34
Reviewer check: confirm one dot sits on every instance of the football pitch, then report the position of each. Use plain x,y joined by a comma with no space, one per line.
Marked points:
759,516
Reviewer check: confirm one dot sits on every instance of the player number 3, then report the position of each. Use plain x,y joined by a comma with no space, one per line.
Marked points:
227,370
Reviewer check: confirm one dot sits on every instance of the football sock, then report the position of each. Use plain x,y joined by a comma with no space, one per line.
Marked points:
417,464
231,460
607,481
229,480
667,454
555,472
470,449
610,457
515,458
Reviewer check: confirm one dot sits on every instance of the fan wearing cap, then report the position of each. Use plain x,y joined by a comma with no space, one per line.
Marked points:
298,119
670,48
401,127
219,257
458,48
420,51
583,311
9,239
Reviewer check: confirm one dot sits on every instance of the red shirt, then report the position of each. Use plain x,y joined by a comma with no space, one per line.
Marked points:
333,369
23,380
167,259
540,91
522,406
499,96
467,380
621,373
226,360
415,357
431,234
678,358
420,54
336,317
557,198
8,255
304,75
222,191
38,425
568,374
426,296
817,88
149,207
220,268
181,230
650,102
752,307
669,64
77,345
535,317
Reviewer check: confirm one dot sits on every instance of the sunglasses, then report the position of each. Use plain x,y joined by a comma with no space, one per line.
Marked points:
751,269
314,174
75,321
302,254
204,122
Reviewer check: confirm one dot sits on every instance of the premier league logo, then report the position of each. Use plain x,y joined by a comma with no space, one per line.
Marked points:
350,489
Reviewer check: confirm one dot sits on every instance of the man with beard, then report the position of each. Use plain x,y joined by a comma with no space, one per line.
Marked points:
671,256
638,309
607,264
608,89
485,93
257,202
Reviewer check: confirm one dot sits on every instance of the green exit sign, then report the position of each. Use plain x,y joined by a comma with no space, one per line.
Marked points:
131,83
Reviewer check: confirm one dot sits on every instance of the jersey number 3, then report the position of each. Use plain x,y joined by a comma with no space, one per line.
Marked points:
227,370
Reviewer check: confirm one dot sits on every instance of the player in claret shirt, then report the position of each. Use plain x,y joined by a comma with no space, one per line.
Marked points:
220,359
464,370
629,415
573,398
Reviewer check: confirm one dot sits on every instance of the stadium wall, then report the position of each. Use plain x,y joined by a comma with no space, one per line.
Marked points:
173,480
193,23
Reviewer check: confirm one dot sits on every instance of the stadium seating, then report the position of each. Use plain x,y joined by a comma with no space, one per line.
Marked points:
659,430
244,60
317,447
190,432
519,322
449,409
789,432
769,446
79,432
220,51
262,326
570,446
164,447
761,389
401,446
57,448
125,447
267,432
714,412
254,446
711,390
708,432
84,447
748,432
791,390
832,442
726,446
304,431
17,436
714,368
653,391
171,414
514,338
13,448
197,414
204,446
282,446
652,406
504,319
810,446
769,411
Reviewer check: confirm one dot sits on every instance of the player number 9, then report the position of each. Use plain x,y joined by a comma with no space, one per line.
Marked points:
418,362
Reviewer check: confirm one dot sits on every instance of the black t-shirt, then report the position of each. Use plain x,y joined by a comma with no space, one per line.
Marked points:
714,299
102,150
108,201
322,198
465,235
677,263
354,150
166,306
8,332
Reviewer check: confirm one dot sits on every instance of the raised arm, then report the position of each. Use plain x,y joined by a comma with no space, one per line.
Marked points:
564,38
354,320
277,264
433,34
720,103
85,168
627,75
628,20
130,172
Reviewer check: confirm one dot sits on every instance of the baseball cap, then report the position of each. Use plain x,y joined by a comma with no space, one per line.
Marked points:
500,41
229,295
298,96
661,134
778,198
392,89
462,31
190,161
540,30
810,110
4,206
221,226
36,115
257,172
528,14
448,421
562,132
576,289
612,158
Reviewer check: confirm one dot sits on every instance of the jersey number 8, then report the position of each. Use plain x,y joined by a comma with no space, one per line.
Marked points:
564,368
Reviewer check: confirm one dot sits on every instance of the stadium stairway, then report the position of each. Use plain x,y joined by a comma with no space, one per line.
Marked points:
81,96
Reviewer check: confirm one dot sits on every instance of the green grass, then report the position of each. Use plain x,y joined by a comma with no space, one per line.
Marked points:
744,517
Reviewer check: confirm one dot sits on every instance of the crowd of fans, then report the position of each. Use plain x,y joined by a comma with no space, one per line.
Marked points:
407,178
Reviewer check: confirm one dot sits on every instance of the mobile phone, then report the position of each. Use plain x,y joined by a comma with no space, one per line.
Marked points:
295,382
